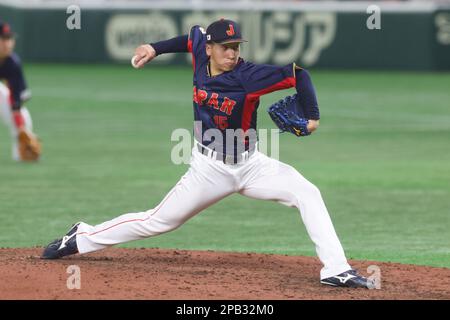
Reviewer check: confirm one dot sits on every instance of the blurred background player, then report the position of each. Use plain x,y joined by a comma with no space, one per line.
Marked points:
13,93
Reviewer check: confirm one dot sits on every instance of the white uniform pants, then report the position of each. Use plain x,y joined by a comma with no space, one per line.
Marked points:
208,181
6,115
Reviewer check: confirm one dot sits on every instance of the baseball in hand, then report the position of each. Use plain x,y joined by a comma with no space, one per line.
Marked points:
133,62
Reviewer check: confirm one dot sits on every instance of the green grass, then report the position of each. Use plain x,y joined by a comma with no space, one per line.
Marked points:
381,159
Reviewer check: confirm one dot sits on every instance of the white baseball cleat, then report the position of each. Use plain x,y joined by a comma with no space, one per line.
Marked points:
65,246
349,279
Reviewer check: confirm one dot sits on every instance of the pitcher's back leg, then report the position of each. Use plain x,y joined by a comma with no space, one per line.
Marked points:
273,180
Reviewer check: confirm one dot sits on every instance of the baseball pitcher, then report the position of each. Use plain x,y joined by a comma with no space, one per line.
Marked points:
226,92
13,93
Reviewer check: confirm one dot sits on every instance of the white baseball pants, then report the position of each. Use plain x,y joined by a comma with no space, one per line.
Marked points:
6,115
208,181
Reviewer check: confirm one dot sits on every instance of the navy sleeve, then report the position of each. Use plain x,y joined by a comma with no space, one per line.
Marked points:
197,45
11,70
306,94
177,44
259,79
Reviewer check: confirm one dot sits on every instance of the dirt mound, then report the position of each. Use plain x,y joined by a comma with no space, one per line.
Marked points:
206,275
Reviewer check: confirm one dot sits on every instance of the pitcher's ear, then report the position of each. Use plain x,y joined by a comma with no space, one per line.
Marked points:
209,49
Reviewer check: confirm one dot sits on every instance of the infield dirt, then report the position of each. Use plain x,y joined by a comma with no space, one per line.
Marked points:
207,275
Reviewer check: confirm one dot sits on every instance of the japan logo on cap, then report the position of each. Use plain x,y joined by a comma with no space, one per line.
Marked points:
6,29
230,32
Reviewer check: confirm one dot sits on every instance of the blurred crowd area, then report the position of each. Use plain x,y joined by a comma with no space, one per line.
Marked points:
436,1
200,1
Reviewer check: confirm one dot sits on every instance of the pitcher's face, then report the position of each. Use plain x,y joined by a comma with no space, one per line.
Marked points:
223,56
6,46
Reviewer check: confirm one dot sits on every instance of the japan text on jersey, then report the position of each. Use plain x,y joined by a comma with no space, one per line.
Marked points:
229,101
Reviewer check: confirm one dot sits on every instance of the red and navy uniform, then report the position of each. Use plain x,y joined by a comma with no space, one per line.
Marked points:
230,100
11,71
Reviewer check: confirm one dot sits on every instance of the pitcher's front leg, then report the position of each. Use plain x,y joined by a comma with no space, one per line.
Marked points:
204,184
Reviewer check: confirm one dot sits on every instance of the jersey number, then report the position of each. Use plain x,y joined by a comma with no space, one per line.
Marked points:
221,122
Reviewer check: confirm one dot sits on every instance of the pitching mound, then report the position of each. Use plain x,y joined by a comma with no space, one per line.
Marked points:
205,275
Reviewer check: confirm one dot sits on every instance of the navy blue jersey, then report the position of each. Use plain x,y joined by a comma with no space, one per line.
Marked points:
230,100
11,71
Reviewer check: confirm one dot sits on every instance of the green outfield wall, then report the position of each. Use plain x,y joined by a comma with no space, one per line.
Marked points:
410,40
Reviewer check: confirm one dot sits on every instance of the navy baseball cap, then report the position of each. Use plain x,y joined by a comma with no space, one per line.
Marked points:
224,31
5,30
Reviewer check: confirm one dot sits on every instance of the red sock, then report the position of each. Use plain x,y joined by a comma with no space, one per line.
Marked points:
18,119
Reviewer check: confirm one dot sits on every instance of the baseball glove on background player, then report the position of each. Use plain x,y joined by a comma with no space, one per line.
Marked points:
29,146
288,116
